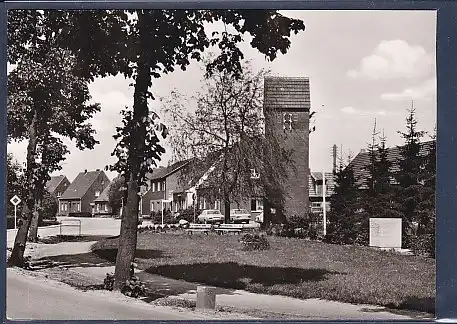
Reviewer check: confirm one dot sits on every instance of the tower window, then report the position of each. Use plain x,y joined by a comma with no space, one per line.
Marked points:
287,121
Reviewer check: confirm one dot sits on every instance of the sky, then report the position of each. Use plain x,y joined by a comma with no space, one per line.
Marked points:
362,66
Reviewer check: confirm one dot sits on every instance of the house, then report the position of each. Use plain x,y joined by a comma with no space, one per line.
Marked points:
81,193
362,160
316,190
57,185
166,190
100,206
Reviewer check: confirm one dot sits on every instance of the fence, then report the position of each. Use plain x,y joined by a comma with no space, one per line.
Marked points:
70,224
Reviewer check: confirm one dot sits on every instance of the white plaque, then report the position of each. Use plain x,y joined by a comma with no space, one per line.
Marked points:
385,232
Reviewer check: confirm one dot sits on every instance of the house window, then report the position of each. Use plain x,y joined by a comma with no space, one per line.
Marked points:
256,204
62,207
65,207
98,207
58,194
163,186
217,205
78,207
154,187
254,174
151,203
97,193
106,208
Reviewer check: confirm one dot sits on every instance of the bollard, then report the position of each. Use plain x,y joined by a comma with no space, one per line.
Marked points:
206,297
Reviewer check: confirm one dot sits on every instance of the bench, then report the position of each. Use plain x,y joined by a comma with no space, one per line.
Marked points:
199,228
229,228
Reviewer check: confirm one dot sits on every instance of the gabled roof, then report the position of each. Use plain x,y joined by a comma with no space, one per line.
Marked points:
104,196
54,182
78,188
163,172
362,160
329,183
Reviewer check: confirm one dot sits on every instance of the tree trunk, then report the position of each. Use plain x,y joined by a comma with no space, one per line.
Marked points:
226,210
17,255
128,236
129,221
33,230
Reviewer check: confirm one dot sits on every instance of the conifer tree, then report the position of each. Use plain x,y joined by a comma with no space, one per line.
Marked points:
344,219
410,174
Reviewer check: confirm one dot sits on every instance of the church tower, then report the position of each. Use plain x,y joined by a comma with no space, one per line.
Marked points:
286,109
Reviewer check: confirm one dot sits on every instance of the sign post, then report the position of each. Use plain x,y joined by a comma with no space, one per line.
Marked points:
15,201
193,202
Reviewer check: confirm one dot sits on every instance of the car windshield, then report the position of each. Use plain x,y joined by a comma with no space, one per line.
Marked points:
212,212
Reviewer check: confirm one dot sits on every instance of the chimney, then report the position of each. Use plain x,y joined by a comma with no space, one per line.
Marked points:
98,170
85,171
363,151
334,157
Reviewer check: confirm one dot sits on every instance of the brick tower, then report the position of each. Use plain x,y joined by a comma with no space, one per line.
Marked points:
286,109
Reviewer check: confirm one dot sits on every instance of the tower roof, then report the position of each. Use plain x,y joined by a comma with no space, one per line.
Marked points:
287,93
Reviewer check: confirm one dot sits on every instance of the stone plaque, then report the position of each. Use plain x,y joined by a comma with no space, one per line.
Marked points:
385,232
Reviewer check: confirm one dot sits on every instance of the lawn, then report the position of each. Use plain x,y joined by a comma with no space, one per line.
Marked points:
292,267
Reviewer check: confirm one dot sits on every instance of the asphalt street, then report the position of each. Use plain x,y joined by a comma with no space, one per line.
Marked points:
30,298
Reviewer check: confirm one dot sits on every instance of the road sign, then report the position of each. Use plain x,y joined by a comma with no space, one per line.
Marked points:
15,200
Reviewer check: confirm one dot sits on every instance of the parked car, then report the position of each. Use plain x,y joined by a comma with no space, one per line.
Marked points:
210,216
240,216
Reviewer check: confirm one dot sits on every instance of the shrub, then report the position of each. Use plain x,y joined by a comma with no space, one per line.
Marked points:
308,226
156,217
134,288
80,214
423,245
108,283
188,214
254,242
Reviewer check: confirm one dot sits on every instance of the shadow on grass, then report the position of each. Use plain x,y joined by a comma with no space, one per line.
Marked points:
72,238
235,276
425,304
97,258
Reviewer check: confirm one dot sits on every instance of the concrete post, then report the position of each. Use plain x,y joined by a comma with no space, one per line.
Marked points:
206,297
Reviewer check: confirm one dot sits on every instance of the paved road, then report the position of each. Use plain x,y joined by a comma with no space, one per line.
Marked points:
31,298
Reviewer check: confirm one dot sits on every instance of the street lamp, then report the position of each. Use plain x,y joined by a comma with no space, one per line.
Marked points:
324,188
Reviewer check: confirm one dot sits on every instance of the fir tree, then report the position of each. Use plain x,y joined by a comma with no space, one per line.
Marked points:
409,175
344,219
425,210
384,204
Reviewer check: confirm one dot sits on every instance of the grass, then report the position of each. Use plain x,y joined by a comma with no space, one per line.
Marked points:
291,267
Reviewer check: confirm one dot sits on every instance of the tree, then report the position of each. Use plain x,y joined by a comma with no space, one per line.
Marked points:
116,194
45,98
50,152
409,175
378,199
226,134
345,217
424,242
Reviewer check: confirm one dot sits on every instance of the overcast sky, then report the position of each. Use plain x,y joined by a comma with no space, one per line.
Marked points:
361,65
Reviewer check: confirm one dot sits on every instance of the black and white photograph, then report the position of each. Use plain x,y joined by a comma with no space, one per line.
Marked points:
171,164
